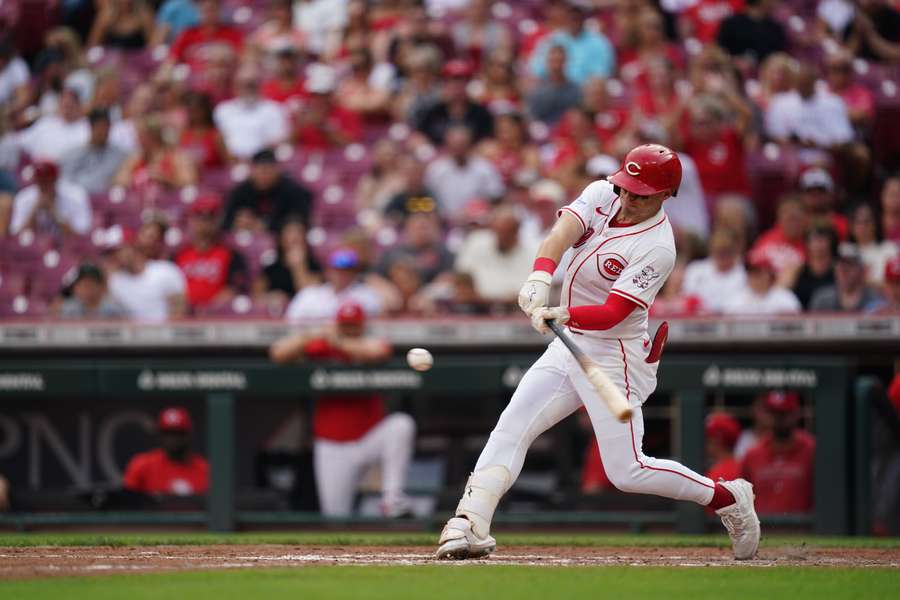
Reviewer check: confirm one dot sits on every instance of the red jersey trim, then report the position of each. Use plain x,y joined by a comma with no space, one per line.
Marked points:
628,296
577,216
597,249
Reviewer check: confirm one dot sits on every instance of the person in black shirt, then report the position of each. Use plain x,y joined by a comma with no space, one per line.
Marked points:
818,271
752,33
295,268
267,197
456,108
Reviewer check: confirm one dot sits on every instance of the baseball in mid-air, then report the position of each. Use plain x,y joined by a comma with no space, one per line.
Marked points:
419,359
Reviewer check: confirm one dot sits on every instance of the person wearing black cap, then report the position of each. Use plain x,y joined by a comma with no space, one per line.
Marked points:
94,165
267,198
849,292
89,299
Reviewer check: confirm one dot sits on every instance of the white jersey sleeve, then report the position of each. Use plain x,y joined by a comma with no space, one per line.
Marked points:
593,204
644,276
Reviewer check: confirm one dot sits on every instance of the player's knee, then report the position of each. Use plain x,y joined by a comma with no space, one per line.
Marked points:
623,475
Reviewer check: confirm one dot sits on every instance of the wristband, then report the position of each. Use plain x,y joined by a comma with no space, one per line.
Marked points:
542,263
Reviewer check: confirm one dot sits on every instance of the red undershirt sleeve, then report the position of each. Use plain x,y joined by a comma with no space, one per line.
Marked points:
601,316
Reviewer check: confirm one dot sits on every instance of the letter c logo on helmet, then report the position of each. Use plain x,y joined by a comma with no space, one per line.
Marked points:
632,168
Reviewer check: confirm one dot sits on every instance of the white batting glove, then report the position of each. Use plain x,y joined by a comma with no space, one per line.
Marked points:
557,314
536,291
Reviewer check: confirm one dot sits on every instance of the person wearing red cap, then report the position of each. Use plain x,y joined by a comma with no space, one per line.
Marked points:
760,295
781,464
51,205
722,432
214,272
624,253
351,432
172,469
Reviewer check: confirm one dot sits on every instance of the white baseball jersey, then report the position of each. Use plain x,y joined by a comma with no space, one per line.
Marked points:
633,262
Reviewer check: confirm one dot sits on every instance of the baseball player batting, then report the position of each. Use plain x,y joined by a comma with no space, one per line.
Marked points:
624,252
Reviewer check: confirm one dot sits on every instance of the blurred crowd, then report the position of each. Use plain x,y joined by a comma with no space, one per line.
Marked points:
261,158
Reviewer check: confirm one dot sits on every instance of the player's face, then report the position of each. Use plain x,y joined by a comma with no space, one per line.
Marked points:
642,207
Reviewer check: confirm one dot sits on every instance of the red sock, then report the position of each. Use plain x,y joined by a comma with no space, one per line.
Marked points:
721,498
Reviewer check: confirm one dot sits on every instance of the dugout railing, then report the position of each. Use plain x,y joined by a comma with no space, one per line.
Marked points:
36,366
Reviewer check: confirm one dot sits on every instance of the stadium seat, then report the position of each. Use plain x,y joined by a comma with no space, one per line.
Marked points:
12,284
49,275
23,308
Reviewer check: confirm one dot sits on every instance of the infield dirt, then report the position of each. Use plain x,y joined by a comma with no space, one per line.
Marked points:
42,561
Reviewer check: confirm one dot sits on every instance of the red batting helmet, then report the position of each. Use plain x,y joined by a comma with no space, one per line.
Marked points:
649,169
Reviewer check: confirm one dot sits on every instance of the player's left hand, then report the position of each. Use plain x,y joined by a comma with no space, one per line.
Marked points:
540,316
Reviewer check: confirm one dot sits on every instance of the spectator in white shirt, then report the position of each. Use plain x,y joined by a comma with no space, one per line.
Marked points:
497,258
720,276
249,123
51,205
320,20
761,296
809,114
460,175
53,135
342,284
148,290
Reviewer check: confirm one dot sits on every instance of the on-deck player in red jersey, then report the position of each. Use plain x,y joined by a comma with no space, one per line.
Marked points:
623,252
171,469
722,432
781,464
350,430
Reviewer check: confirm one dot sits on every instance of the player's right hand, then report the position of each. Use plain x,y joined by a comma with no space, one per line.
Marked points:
536,292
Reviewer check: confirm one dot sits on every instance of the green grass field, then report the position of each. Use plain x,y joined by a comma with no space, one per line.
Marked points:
455,580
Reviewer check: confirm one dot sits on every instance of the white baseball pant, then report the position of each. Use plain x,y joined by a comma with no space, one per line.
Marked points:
555,387
340,466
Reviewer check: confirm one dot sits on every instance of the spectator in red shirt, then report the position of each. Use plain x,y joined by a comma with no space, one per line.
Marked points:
351,431
286,85
715,140
818,195
784,245
200,140
195,45
781,464
320,123
214,272
722,432
171,469
703,18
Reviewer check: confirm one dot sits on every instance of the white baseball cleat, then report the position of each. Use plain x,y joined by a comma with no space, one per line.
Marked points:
459,542
740,519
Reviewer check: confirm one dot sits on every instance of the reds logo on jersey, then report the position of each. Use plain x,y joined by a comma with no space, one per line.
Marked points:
610,266
647,276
